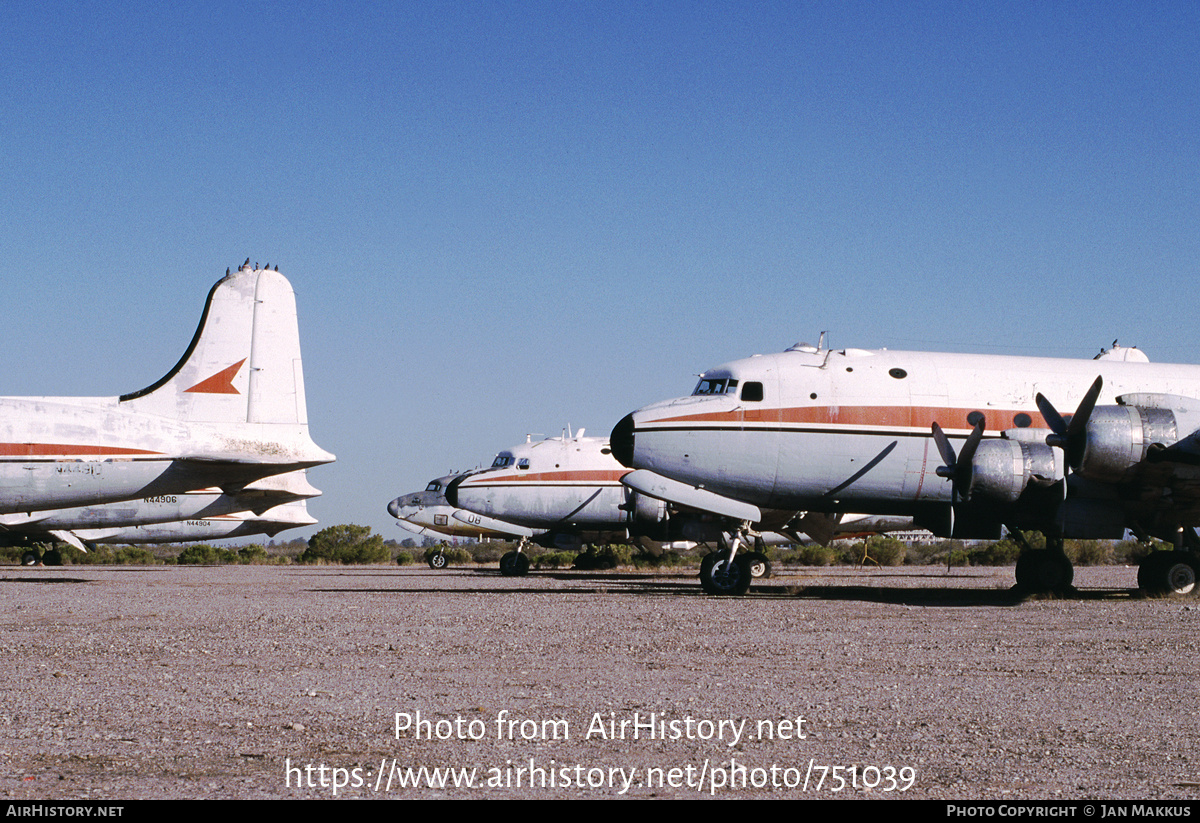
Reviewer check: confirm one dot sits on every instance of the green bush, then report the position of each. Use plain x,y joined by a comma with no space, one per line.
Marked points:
814,555
555,560
203,554
346,544
886,551
255,553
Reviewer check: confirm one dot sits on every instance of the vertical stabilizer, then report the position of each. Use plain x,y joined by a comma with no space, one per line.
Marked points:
243,364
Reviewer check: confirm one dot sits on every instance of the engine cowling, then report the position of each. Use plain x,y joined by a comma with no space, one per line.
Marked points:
1117,438
645,510
1002,469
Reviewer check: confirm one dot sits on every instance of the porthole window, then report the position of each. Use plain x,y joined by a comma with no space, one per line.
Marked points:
975,418
899,374
1022,420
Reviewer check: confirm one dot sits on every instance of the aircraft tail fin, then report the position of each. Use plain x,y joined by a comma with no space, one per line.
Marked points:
243,364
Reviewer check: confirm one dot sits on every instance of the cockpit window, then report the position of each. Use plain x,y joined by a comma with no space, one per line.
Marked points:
523,463
434,487
752,392
715,385
502,460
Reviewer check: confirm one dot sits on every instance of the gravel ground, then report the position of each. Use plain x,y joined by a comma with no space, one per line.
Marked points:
270,682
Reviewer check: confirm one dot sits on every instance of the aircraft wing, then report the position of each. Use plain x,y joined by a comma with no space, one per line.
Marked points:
491,523
693,497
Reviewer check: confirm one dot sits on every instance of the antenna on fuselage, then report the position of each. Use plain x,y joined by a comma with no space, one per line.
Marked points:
821,340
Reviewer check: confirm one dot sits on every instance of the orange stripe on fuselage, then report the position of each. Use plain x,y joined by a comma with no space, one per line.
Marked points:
917,417
63,450
590,476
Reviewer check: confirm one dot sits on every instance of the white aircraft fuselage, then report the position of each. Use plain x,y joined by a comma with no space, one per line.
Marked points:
427,512
231,412
558,485
850,430
219,527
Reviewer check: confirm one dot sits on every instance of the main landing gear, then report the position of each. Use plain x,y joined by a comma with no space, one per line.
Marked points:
33,557
438,560
1043,571
1172,573
515,563
726,572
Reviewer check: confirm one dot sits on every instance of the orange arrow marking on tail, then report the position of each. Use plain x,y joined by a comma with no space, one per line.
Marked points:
219,383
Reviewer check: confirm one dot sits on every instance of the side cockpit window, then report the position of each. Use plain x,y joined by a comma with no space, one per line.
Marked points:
502,460
752,392
523,464
715,385
434,487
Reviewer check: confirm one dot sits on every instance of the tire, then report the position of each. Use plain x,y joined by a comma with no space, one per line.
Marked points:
1168,574
760,566
53,557
1044,570
706,564
514,564
438,561
30,558
720,577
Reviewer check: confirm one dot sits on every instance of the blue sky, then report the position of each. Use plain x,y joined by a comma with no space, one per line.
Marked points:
503,218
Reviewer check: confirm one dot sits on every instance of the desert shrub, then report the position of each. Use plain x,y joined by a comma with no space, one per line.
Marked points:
488,553
995,553
346,544
1088,552
814,555
664,560
254,553
555,560
886,551
202,554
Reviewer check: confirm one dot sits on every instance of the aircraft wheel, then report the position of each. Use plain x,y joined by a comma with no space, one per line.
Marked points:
706,564
760,566
723,577
30,558
1044,570
438,561
53,557
1168,573
514,564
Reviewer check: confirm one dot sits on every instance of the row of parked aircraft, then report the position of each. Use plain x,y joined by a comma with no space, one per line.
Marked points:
563,492
218,447
961,445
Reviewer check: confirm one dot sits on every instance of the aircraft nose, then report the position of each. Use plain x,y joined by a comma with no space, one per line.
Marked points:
394,507
621,441
452,490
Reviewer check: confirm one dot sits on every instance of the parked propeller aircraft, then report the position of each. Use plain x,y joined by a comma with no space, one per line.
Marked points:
220,527
67,525
230,413
570,490
874,431
428,512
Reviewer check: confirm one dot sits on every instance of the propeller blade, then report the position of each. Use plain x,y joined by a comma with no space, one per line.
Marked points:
968,450
1071,436
944,447
1053,419
1079,420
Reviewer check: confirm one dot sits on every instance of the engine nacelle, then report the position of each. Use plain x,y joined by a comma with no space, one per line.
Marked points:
644,510
1117,438
1001,469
